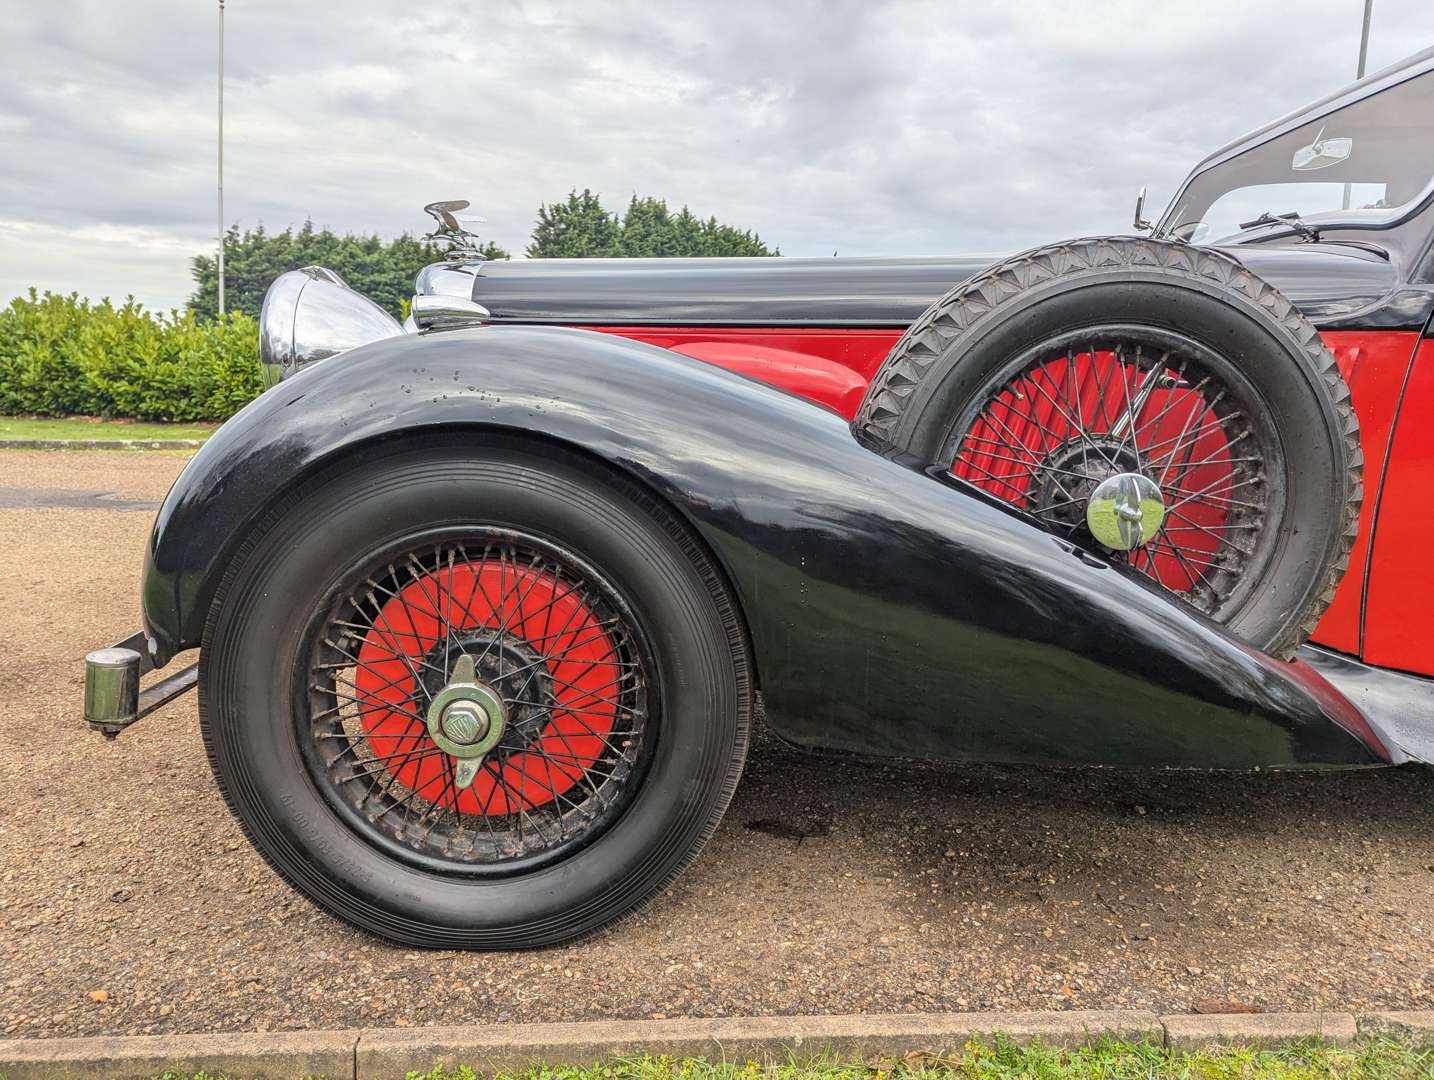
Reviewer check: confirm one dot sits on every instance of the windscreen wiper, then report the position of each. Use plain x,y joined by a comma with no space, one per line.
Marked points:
1291,219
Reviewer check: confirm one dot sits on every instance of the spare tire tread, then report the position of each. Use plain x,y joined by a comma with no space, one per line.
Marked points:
886,413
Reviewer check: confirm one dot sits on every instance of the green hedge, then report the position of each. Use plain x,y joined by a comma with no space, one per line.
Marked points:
61,356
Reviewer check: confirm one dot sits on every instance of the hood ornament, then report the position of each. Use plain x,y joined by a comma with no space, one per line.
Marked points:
455,242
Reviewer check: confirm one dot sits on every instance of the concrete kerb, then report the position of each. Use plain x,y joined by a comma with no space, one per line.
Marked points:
368,1054
769,1039
260,1055
1263,1030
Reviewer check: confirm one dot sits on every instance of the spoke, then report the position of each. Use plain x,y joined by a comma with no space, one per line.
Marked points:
1102,384
1152,568
1188,565
1080,411
550,634
373,700
1142,396
1193,526
1048,437
1173,549
1194,437
1030,475
1020,493
1206,492
1043,468
1034,459
577,714
1078,427
1174,399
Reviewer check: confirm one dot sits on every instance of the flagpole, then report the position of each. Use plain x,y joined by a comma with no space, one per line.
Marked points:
1359,74
1364,38
221,158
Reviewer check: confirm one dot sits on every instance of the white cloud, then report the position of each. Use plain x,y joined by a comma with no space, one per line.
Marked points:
913,126
97,261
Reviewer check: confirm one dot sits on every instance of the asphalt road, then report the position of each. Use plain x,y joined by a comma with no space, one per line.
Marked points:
123,879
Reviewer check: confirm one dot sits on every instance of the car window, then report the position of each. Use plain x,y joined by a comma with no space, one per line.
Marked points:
1365,162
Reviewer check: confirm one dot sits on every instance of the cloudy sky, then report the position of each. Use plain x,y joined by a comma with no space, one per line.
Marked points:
859,127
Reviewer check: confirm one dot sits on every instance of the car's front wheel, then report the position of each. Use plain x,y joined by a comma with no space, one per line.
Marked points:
475,699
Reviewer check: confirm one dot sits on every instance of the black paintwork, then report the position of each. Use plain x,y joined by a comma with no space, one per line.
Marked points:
1336,285
888,613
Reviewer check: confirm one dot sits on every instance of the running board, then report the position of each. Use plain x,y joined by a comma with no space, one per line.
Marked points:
1398,705
113,699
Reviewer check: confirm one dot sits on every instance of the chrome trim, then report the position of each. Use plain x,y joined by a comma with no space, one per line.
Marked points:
1125,511
446,313
111,689
312,314
447,279
443,298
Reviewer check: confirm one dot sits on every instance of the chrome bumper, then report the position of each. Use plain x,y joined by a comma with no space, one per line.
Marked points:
113,699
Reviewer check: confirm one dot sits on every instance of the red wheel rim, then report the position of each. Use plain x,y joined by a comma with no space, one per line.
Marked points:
531,605
1038,434
537,629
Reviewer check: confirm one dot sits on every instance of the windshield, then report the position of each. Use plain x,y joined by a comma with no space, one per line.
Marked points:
1363,163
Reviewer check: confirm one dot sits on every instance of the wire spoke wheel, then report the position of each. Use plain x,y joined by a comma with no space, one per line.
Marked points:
475,693
1159,400
543,633
1080,409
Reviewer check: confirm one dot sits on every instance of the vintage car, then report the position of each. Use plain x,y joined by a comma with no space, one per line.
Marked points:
486,604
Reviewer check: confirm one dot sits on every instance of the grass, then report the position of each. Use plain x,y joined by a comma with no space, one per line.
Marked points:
1370,1059
89,427
1380,1059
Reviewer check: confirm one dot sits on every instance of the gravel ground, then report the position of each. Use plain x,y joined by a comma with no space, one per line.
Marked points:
130,902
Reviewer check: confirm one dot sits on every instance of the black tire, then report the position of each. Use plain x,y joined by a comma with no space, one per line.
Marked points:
256,694
956,356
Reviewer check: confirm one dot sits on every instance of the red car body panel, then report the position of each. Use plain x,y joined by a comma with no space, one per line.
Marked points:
1374,364
831,367
1399,594
1380,612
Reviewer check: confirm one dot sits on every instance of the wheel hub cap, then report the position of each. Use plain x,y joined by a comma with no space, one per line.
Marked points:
1125,511
466,720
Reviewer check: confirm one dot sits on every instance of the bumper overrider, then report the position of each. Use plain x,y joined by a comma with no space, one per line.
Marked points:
113,699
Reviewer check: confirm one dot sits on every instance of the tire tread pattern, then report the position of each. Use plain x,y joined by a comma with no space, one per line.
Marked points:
888,399
284,860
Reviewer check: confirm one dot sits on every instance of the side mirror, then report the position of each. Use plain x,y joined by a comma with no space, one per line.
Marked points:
1141,225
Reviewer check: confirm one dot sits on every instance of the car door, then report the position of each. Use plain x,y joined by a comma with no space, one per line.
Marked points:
1399,596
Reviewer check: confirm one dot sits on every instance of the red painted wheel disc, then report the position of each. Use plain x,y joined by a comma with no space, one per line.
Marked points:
574,663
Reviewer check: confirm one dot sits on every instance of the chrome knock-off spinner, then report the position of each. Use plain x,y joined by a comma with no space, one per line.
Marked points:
466,720
1125,511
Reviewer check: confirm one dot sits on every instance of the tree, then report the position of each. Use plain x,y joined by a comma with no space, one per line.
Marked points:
581,228
577,229
647,230
383,272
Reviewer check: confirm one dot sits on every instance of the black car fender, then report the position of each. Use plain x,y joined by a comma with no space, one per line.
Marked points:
889,612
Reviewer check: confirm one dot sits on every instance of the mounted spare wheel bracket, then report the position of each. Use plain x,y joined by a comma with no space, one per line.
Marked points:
113,699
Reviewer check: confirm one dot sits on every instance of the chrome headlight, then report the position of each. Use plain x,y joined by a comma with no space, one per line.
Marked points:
311,314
